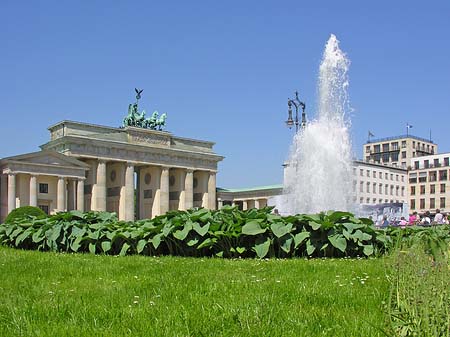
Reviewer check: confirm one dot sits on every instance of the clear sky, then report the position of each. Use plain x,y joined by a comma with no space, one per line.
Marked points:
222,70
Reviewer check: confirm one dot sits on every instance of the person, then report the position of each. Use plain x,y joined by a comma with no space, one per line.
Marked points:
445,220
438,218
384,222
413,219
426,220
402,222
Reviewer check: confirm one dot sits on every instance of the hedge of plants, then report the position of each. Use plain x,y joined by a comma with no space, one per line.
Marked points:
228,232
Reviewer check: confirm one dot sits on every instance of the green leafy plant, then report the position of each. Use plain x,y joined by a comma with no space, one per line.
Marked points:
24,212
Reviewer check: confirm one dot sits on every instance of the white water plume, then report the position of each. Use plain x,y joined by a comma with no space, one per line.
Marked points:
318,175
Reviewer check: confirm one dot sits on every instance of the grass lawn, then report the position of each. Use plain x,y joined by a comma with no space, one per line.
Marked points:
48,294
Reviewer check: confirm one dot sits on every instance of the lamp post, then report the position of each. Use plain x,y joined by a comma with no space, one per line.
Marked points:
297,104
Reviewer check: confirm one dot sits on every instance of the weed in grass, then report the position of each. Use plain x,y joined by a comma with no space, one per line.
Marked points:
420,295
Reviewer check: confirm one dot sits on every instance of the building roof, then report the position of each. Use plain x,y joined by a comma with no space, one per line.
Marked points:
250,189
378,140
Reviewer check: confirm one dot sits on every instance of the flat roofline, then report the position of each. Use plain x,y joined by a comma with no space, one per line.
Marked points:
379,165
249,189
378,140
112,128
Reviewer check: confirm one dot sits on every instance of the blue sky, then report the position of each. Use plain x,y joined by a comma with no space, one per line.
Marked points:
222,70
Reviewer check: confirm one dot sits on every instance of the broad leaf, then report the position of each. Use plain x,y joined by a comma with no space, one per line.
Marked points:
252,228
280,229
262,249
141,245
124,249
182,234
199,229
368,250
300,237
106,246
310,248
338,241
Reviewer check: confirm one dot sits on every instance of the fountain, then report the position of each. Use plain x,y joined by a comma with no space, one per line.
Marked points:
318,175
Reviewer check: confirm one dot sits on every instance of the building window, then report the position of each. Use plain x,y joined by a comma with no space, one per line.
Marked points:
442,188
374,187
436,162
368,200
396,190
426,163
385,147
380,188
442,203
403,144
443,175
45,209
396,177
433,175
413,190
414,144
386,189
412,180
374,201
361,184
368,173
413,203
368,187
446,161
422,189
404,164
395,156
422,203
392,189
392,176
368,149
394,146
374,174
403,178
423,179
376,148
380,175
43,188
361,200
403,154
386,176
416,165
432,189
386,157
403,191
361,172
432,203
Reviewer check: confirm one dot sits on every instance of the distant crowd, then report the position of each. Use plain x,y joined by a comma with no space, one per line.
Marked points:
415,219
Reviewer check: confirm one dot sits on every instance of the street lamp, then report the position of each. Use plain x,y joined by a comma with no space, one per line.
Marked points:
297,104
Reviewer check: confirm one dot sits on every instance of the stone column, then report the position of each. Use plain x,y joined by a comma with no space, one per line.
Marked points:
129,192
156,209
257,203
71,190
164,191
80,195
212,190
4,197
33,190
61,195
100,189
187,195
11,192
244,205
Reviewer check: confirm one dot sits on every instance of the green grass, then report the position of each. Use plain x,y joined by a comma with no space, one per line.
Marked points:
49,294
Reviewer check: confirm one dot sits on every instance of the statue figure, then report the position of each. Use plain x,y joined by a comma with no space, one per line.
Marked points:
161,121
136,119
